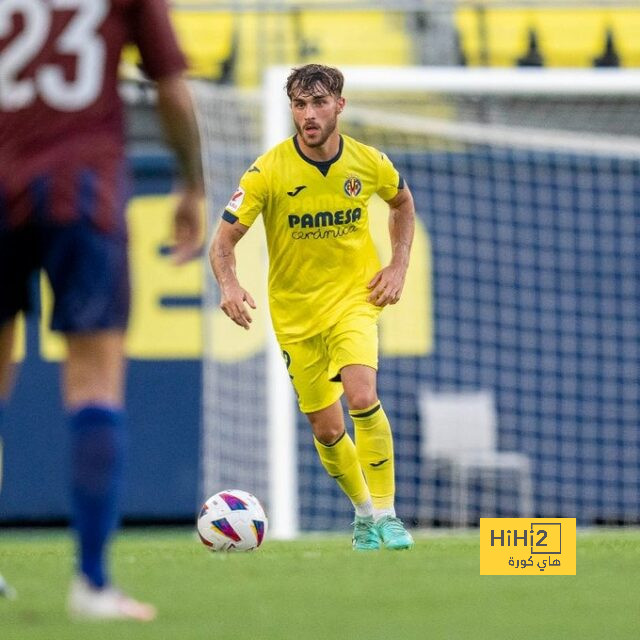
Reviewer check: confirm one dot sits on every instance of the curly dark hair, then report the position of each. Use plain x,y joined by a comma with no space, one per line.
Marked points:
314,78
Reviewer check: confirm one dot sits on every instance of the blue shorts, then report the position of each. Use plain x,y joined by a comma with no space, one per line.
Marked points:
88,270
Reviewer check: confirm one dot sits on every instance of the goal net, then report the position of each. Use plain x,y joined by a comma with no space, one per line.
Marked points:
509,369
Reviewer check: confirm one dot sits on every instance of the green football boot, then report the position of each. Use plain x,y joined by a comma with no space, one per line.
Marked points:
365,534
393,534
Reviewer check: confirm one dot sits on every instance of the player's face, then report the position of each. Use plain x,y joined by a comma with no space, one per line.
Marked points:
316,116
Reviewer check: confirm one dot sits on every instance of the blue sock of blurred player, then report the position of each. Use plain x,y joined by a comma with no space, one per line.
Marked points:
97,445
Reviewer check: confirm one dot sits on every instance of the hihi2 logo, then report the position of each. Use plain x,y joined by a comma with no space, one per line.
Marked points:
527,546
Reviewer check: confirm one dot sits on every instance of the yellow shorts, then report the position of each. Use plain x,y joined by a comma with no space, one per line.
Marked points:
314,364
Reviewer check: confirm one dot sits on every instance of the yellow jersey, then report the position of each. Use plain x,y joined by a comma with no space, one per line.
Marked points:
321,254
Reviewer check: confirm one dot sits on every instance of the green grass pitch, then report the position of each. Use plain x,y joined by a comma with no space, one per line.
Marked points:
317,588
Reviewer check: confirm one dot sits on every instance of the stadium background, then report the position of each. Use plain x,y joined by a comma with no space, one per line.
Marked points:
230,43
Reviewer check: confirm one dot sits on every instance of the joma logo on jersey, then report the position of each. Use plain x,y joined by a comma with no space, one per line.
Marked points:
324,218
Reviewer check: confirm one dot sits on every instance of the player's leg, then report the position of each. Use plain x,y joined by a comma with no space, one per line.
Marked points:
7,331
339,457
319,400
88,272
93,383
374,443
353,346
17,258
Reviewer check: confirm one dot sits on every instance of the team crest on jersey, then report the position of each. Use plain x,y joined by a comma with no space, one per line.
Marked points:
236,200
352,186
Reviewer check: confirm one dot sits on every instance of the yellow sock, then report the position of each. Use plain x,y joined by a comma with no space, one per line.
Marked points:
374,444
340,459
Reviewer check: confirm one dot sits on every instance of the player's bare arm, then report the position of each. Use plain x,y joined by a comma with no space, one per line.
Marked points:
233,298
175,107
386,286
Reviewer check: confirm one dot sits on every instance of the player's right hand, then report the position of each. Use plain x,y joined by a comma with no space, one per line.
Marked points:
234,303
188,224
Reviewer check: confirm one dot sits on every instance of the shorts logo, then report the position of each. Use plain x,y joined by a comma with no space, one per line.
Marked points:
236,200
352,186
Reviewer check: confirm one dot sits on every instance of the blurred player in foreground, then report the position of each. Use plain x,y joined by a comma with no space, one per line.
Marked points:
63,191
327,287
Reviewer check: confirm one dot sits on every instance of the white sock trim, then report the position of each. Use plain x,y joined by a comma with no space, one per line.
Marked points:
381,513
364,509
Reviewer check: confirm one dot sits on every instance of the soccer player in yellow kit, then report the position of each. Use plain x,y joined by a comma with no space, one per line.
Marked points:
327,287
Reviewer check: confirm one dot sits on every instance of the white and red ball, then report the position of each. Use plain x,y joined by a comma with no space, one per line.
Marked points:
232,520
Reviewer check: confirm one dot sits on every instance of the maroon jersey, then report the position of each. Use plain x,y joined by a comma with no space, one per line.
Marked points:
61,118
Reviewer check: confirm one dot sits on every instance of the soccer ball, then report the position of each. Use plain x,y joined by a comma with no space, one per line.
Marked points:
232,520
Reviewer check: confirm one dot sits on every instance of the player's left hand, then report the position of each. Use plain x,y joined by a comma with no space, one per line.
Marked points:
386,286
187,223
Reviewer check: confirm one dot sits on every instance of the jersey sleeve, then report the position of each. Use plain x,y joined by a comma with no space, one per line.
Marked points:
249,199
389,180
153,34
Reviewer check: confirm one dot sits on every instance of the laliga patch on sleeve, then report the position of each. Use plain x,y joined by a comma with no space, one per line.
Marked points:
236,200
